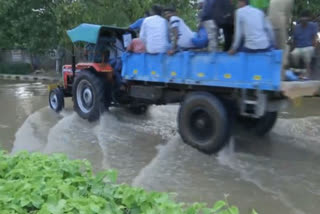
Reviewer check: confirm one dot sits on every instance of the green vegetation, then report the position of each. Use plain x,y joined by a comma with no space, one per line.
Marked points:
35,183
40,25
15,68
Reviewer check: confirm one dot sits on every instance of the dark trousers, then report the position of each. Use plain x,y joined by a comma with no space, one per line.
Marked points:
247,50
116,64
228,31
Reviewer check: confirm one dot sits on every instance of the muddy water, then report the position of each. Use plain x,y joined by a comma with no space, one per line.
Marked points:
276,174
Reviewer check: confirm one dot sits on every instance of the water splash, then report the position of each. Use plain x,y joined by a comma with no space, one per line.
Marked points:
151,168
74,137
3,126
250,170
32,135
122,138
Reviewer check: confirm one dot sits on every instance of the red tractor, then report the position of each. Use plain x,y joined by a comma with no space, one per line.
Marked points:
94,85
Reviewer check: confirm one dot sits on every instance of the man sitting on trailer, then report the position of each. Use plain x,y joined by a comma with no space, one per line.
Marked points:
180,34
154,32
254,32
305,36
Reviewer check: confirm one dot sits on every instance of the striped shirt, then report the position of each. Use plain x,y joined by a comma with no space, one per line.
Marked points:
185,34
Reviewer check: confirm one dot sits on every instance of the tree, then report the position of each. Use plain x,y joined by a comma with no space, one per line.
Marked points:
312,5
39,25
26,23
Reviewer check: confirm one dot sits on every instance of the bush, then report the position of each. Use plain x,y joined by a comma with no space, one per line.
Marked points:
35,183
15,68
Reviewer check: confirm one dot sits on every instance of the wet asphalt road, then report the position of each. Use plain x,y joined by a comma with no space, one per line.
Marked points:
276,174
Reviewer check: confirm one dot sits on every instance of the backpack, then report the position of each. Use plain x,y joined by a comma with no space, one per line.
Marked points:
223,12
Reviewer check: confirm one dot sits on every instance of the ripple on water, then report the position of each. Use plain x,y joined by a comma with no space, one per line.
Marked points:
305,132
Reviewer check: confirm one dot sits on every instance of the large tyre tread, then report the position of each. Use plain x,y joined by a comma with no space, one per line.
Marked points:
220,109
259,127
100,91
60,96
266,124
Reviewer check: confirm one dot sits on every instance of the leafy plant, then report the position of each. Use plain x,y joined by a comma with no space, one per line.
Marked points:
15,68
35,183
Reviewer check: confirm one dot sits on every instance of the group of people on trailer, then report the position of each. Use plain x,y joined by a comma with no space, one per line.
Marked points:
164,31
246,29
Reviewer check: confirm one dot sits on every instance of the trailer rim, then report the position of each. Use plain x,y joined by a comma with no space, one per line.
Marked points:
202,125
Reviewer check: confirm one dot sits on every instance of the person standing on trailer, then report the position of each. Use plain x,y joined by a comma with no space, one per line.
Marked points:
280,12
221,13
207,21
200,38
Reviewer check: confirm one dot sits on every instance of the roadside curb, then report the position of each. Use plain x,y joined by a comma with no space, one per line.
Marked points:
29,78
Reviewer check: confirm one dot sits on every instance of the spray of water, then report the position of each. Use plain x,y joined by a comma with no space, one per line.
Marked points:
249,169
148,147
32,135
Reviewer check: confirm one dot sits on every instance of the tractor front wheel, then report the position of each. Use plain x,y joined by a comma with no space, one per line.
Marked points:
56,99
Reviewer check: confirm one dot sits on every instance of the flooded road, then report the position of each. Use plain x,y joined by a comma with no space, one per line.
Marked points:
276,174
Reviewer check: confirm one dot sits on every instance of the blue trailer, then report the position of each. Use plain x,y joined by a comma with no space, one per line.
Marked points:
259,71
213,89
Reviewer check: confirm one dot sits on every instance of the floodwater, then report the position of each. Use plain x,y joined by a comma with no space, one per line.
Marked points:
276,174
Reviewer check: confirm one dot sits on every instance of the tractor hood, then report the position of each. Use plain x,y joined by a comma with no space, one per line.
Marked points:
90,32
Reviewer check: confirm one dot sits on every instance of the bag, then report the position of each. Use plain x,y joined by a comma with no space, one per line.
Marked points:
223,12
200,40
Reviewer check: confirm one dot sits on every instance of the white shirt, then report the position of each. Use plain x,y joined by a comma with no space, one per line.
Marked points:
185,33
154,34
252,27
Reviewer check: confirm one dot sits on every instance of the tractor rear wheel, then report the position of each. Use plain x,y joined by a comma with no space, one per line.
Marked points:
89,95
56,99
203,122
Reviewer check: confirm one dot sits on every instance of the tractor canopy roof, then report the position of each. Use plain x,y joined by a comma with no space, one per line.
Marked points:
91,33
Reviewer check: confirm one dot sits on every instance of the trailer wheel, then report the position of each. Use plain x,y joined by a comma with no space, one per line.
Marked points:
56,99
203,122
261,126
89,95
